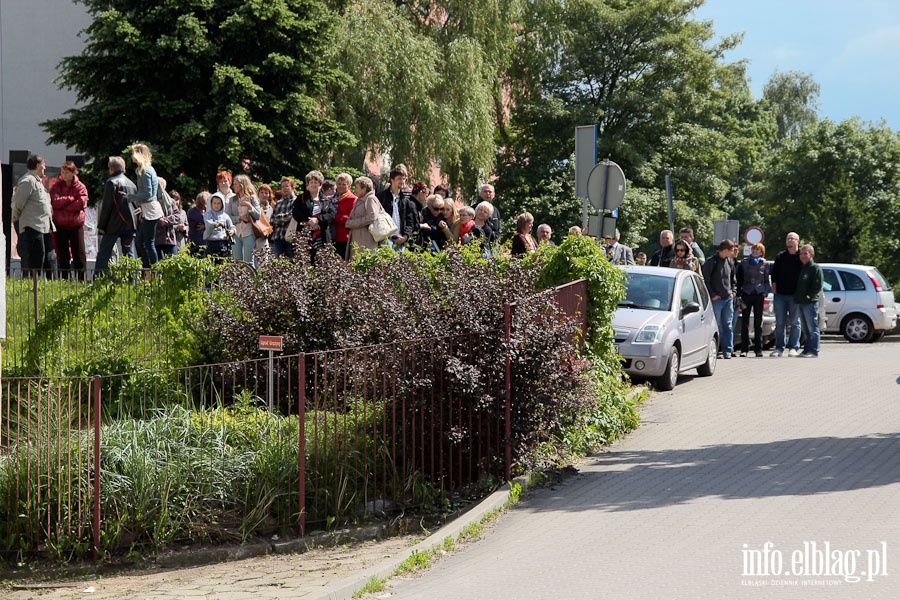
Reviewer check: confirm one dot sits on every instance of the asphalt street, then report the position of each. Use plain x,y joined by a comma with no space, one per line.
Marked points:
775,478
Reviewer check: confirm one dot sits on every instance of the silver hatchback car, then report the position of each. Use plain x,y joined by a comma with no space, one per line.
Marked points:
665,325
859,302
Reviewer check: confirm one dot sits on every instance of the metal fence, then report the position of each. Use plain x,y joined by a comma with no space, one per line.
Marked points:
73,314
232,450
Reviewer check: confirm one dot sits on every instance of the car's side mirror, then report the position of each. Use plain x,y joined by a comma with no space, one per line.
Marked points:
690,307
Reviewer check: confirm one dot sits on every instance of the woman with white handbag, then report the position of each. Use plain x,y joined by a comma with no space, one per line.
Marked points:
364,213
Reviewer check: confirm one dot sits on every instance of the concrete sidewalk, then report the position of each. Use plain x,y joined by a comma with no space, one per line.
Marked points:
734,486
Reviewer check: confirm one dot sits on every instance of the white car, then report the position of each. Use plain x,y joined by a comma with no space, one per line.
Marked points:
665,325
859,302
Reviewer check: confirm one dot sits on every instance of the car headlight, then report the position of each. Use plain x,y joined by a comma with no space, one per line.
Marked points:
649,334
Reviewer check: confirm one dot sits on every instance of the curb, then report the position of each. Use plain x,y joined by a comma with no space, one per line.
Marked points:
344,589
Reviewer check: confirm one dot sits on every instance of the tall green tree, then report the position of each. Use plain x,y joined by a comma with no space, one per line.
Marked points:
792,99
204,83
426,82
648,73
838,186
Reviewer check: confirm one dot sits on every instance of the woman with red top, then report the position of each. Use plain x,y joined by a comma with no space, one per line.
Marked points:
69,198
345,202
523,242
466,223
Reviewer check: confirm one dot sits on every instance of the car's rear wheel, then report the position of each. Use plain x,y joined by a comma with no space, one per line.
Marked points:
709,367
669,378
857,329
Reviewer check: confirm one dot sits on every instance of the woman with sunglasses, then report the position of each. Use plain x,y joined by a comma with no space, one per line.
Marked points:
684,258
430,229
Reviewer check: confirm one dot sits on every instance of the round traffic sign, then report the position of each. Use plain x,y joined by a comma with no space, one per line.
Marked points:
754,235
606,186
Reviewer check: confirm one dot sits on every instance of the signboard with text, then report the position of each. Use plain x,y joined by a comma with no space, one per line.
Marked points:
271,342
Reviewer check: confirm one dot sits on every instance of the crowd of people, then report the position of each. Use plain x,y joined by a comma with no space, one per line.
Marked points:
239,219
738,287
247,222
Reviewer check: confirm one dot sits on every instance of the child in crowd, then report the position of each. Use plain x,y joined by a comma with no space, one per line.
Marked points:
219,229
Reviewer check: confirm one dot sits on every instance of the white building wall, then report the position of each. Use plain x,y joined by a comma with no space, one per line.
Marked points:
34,36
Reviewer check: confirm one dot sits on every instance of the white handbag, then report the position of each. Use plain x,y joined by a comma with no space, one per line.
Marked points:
291,232
383,227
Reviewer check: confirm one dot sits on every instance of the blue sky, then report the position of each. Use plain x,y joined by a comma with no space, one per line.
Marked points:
851,49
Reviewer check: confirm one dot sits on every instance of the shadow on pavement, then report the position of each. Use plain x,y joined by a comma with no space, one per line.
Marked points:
805,466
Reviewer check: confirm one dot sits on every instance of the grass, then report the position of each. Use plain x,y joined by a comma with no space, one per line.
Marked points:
374,585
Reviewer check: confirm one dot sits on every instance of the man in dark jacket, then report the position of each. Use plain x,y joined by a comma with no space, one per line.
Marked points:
397,202
785,272
721,281
116,222
806,299
666,252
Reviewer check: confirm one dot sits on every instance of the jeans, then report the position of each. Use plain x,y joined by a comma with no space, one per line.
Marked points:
36,252
724,309
283,248
107,243
243,248
752,302
809,319
147,238
786,309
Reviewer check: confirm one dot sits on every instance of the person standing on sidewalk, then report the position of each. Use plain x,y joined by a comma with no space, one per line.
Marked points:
721,281
753,285
806,299
785,273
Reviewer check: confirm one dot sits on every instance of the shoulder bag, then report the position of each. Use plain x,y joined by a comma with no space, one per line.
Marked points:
261,226
383,227
291,231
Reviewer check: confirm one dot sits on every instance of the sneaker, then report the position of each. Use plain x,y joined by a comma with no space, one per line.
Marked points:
794,352
744,353
809,355
758,354
775,353
726,356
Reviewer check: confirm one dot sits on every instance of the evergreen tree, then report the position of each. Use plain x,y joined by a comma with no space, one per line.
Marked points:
205,83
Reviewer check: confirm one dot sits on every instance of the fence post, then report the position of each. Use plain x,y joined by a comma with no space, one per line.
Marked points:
96,469
507,329
301,417
34,294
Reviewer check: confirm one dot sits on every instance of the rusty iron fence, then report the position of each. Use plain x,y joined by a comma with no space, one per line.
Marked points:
227,451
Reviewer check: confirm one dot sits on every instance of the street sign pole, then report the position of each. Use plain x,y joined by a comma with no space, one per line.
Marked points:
271,343
585,159
670,199
606,190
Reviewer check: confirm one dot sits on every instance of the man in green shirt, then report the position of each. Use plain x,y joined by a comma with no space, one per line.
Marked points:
806,298
31,211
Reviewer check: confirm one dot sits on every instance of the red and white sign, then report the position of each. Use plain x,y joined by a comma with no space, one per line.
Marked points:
754,235
271,342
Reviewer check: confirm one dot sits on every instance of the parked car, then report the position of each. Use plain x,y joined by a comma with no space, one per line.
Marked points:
859,302
665,325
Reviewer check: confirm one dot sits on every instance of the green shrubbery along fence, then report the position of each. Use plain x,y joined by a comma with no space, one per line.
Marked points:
438,390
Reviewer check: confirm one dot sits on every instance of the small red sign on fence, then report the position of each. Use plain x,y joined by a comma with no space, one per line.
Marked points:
271,342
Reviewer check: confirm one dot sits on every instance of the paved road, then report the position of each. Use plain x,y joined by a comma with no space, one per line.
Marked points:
791,452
